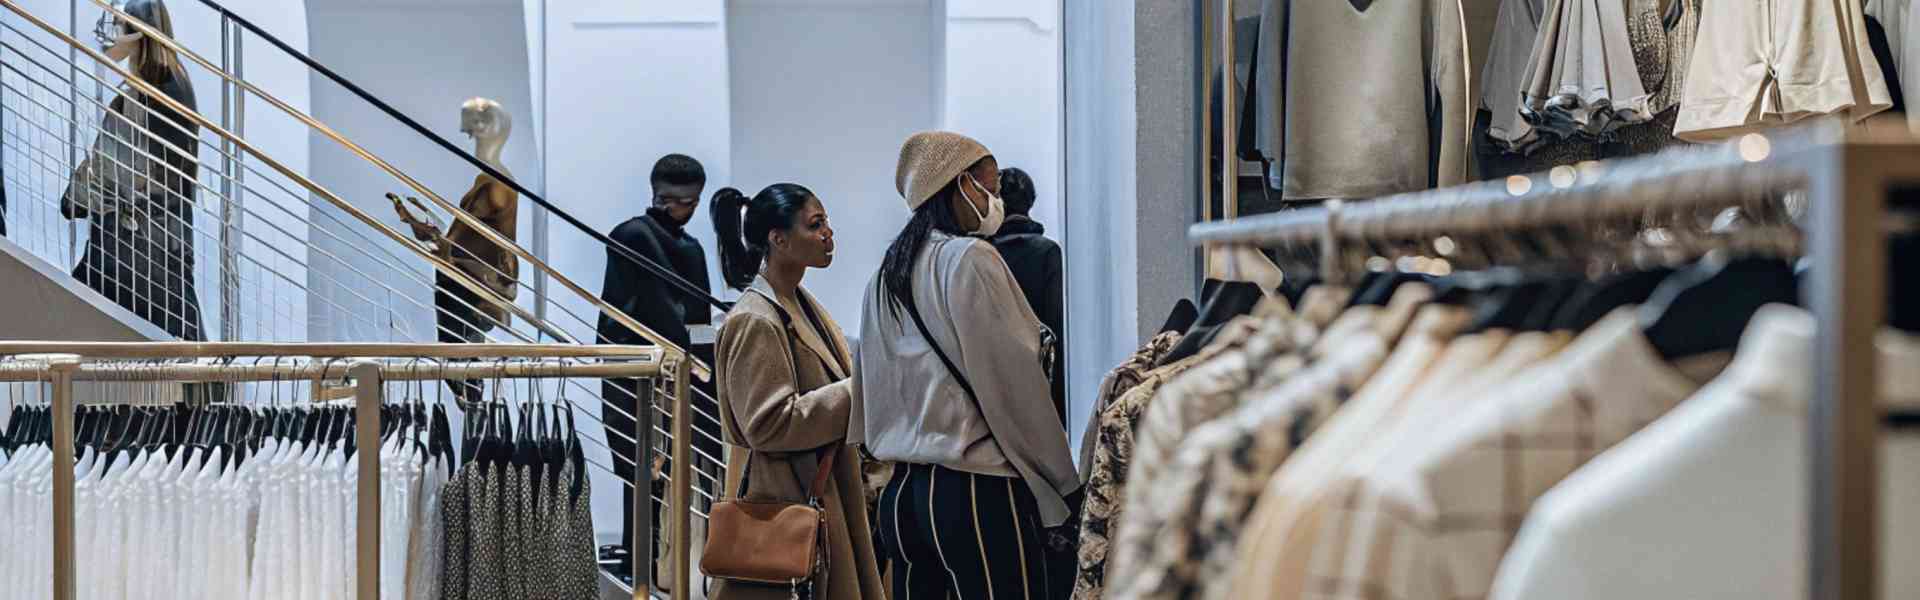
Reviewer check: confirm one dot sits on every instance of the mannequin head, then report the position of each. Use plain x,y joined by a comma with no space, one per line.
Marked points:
482,118
678,181
153,61
489,125
784,228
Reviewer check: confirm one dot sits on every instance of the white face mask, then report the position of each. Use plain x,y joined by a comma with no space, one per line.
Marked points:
996,210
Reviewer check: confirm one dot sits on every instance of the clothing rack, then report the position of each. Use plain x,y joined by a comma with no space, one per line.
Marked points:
366,367
1849,176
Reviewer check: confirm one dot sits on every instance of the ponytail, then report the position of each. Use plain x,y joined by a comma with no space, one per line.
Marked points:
743,237
738,263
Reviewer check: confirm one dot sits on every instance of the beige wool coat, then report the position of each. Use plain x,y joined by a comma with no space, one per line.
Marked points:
784,394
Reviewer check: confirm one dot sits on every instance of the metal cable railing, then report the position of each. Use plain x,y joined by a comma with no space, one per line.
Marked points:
605,310
377,376
38,119
54,168
665,274
297,261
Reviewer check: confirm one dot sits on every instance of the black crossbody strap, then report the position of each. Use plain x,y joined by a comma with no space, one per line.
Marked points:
951,368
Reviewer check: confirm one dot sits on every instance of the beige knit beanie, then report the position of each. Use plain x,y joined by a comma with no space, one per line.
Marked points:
929,160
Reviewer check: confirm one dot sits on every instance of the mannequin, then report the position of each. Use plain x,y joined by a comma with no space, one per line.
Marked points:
462,316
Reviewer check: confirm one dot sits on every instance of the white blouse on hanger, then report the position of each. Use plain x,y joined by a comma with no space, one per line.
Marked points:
1710,502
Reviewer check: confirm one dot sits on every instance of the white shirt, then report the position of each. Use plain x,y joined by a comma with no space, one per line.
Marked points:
1710,502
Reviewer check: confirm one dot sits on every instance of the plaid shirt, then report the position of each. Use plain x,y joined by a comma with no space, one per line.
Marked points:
1113,449
1435,518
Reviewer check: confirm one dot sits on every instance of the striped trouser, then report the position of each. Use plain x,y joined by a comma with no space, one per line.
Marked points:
959,536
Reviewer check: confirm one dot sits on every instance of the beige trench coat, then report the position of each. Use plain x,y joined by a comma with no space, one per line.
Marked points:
784,394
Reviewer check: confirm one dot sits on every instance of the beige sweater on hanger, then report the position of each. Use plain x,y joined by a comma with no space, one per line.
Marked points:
1370,101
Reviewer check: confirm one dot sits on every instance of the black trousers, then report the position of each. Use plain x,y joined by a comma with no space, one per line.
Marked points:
620,400
458,320
951,534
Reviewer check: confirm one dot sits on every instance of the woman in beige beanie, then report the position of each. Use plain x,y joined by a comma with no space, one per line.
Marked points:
950,384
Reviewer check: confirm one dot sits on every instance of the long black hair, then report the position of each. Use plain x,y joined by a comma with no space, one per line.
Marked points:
896,270
743,242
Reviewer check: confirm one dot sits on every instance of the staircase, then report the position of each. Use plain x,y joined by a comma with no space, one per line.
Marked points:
263,247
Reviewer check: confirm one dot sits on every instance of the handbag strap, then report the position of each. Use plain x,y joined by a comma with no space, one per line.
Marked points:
951,368
824,457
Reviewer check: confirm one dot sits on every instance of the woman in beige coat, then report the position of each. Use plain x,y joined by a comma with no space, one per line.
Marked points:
782,368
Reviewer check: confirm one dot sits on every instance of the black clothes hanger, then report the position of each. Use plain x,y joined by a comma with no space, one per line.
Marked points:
440,436
1508,306
1380,289
470,428
1464,288
349,432
1559,290
577,460
1705,308
508,437
1595,300
556,442
1294,289
1903,282
524,451
1367,281
1183,315
1230,299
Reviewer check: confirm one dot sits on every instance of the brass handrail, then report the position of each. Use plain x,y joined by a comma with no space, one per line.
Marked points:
700,369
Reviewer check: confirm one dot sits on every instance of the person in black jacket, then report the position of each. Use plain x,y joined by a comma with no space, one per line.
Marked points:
661,236
1036,264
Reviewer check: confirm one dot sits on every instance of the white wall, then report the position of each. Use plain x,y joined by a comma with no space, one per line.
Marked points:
628,82
1002,86
1101,272
823,95
475,49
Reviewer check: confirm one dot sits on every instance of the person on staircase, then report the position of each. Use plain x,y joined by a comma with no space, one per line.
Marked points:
660,235
136,188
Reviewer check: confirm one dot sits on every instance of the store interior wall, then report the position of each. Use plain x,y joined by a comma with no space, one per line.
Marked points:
1002,86
822,95
1132,180
476,48
628,82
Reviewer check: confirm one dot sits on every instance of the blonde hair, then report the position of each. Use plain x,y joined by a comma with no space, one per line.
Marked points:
152,60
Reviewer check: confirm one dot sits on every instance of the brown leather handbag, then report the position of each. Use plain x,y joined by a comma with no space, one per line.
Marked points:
773,543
